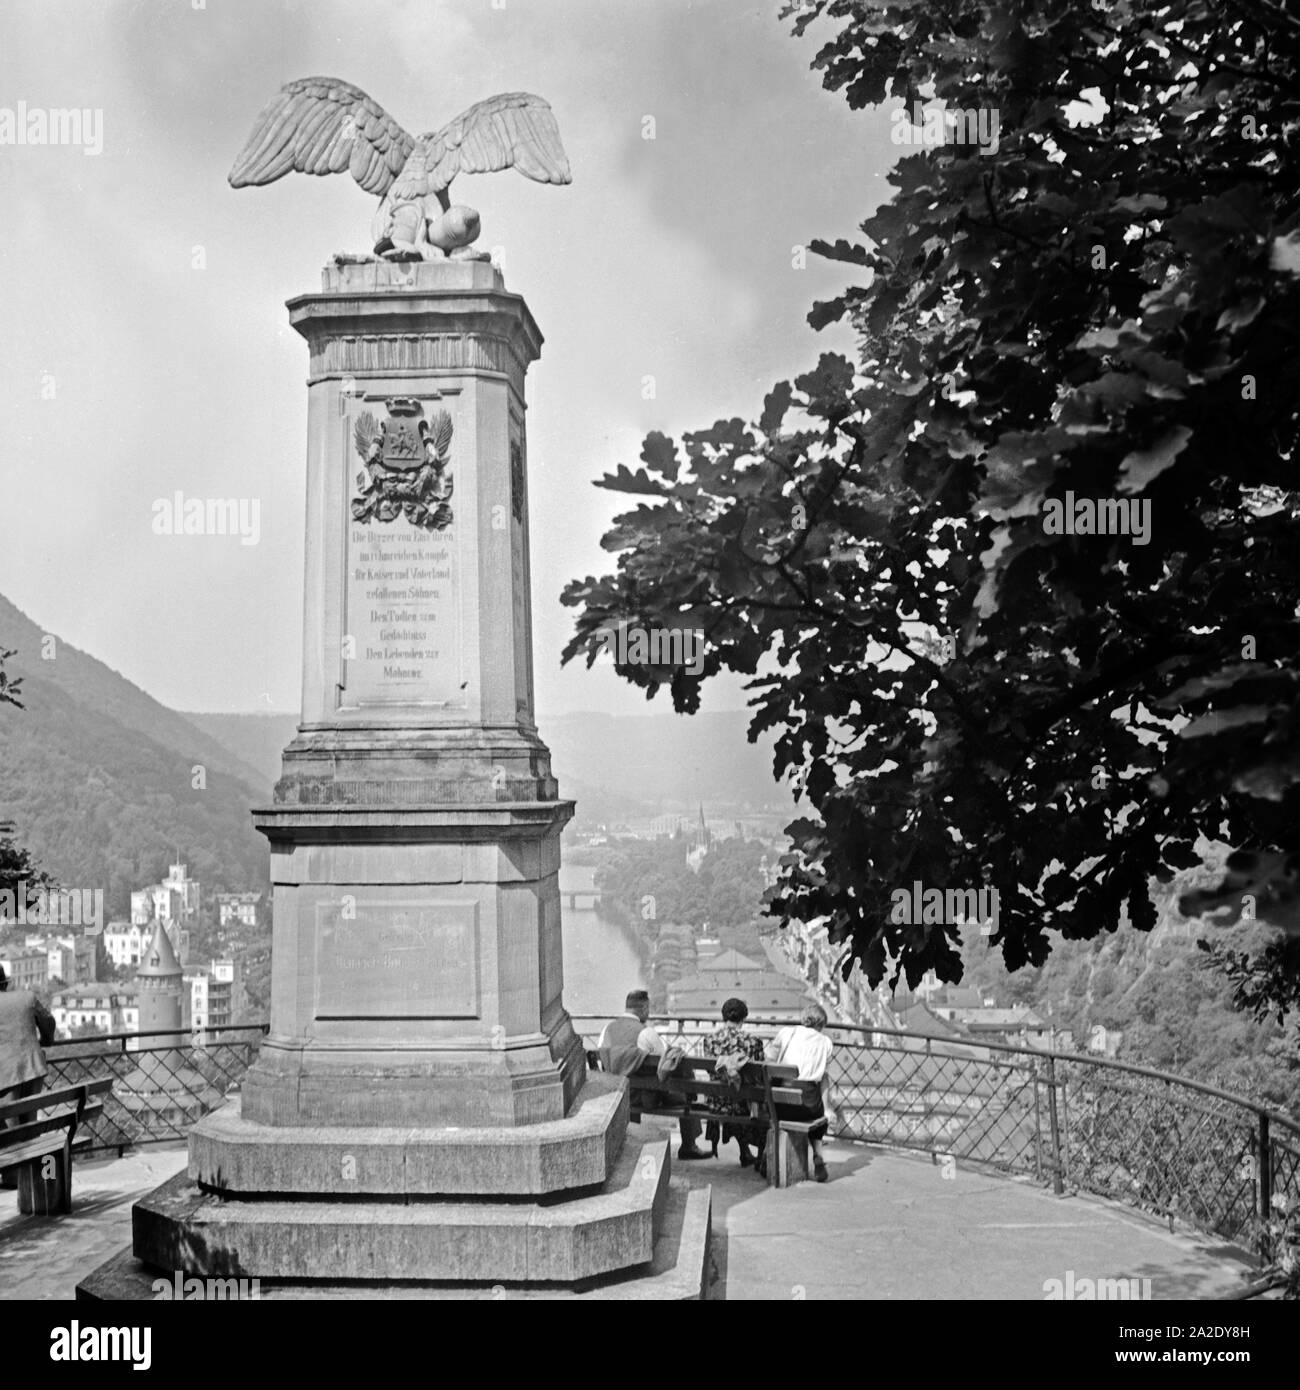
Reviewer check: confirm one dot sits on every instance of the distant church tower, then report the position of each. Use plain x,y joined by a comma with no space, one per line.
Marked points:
700,842
159,986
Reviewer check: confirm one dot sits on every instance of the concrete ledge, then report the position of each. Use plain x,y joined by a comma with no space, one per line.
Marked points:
683,1265
231,1155
379,276
182,1227
678,1271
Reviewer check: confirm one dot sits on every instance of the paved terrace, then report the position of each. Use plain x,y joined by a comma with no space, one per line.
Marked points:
888,1225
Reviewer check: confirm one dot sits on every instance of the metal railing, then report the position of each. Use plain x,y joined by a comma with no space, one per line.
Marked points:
159,1088
1179,1149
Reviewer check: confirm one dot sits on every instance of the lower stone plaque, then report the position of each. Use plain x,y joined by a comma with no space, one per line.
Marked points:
396,959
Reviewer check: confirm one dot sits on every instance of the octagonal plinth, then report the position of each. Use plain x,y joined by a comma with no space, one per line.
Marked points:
181,1227
232,1155
680,1269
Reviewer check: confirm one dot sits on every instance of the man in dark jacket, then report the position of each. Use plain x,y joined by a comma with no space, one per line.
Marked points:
629,1042
26,1026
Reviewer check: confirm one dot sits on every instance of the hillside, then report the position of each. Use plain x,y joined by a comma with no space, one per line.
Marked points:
1173,1008
254,739
98,777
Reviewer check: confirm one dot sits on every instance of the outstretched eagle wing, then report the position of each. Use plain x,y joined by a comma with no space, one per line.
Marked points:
323,125
513,130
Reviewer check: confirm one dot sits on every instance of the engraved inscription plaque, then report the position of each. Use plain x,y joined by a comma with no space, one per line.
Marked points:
396,958
403,617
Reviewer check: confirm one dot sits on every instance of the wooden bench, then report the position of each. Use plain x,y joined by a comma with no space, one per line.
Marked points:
38,1135
764,1085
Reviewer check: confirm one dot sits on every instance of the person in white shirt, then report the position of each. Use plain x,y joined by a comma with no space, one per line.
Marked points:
807,1047
629,1041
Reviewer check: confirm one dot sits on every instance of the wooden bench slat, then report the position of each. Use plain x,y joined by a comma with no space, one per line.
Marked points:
41,1147
65,1095
681,1085
17,1134
30,1113
42,1144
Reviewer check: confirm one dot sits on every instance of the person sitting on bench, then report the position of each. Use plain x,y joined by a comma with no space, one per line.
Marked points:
738,1044
809,1049
629,1041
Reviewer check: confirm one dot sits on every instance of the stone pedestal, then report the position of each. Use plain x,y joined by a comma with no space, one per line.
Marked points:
420,1111
422,973
415,831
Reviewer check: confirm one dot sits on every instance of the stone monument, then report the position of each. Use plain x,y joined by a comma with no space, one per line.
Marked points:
421,1112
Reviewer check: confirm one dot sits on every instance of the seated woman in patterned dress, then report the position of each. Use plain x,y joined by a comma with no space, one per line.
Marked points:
732,1041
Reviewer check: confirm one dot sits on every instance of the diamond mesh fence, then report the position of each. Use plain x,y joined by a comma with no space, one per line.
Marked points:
159,1089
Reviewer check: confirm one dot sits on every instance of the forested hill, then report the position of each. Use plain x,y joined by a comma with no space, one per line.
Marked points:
256,739
1173,1007
98,778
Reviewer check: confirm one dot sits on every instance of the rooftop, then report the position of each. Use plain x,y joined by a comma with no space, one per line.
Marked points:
998,1018
95,989
919,1019
731,960
760,989
159,959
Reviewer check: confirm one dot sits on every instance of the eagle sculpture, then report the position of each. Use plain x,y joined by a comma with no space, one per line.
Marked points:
322,125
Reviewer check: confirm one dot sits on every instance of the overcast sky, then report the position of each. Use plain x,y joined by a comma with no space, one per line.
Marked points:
126,373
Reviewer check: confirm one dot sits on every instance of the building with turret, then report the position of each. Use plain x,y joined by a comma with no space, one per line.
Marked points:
164,1090
160,992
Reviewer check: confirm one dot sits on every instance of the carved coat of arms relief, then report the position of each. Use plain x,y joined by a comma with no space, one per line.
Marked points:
404,466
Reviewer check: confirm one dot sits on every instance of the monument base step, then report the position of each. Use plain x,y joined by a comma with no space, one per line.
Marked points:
231,1155
679,1269
180,1226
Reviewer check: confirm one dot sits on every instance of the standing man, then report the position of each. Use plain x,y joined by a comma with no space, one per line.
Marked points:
25,1028
629,1041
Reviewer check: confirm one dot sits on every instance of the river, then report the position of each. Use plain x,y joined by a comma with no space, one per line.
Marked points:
601,962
